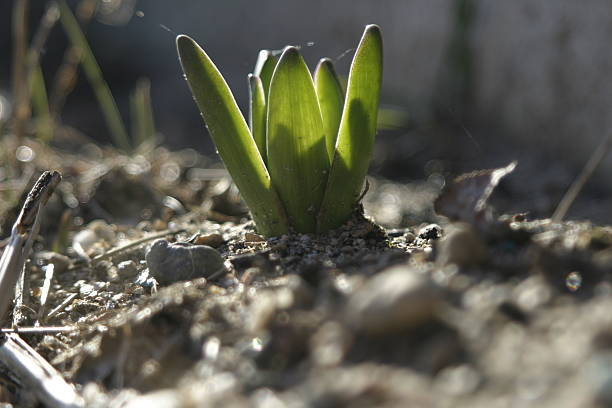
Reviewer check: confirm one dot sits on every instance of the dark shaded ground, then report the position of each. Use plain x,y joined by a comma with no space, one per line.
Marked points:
411,315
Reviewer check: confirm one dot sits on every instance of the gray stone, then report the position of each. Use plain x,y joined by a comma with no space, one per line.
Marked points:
462,245
396,299
169,263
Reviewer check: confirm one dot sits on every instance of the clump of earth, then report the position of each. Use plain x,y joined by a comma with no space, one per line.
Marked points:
173,299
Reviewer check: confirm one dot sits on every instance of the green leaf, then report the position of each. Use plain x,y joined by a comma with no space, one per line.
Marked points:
264,68
232,138
40,104
94,76
297,157
331,101
257,114
143,122
356,134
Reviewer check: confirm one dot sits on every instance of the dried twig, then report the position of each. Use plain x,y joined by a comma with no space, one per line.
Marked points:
22,236
600,153
62,305
36,374
44,292
40,330
133,244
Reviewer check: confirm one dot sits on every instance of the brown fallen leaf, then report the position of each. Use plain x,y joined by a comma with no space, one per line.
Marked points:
465,199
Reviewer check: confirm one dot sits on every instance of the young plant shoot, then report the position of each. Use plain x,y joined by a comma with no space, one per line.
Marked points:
301,162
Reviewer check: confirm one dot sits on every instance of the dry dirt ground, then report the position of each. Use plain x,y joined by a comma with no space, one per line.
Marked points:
176,301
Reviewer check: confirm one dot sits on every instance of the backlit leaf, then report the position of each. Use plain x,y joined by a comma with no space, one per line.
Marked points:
356,134
331,101
297,156
232,138
257,114
264,68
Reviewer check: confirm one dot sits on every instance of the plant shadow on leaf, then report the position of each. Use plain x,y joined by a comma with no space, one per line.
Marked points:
303,185
306,202
344,181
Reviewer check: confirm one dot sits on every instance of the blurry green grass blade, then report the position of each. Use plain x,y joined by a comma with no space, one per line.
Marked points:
40,104
297,157
264,68
232,138
257,114
94,76
331,101
391,118
142,119
356,134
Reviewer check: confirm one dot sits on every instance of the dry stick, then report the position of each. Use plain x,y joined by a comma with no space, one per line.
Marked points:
14,256
596,158
44,292
36,374
22,287
40,330
62,305
136,243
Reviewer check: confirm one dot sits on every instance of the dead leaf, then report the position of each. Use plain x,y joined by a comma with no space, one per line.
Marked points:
465,199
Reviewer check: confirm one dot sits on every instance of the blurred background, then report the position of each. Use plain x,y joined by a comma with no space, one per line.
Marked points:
467,83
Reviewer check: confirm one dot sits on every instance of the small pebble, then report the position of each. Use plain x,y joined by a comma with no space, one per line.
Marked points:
462,245
169,263
213,240
295,292
292,292
87,290
396,299
598,370
97,233
253,237
409,237
431,231
162,398
396,232
330,343
127,268
262,312
456,381
59,261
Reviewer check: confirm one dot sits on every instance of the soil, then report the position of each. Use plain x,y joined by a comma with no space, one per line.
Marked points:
401,307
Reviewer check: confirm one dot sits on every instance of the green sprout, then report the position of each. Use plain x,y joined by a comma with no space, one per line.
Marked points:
300,162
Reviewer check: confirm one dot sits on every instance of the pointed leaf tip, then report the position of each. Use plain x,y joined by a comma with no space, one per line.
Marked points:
182,40
297,156
264,68
232,137
262,57
331,100
257,114
291,48
290,52
324,62
356,133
